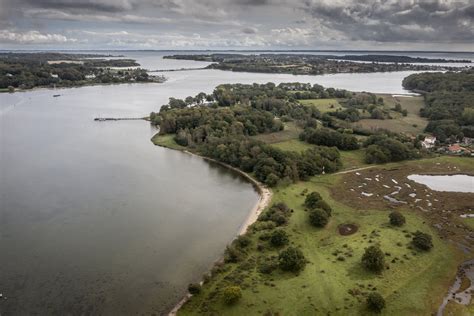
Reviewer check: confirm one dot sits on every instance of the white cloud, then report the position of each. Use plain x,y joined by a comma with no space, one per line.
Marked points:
33,37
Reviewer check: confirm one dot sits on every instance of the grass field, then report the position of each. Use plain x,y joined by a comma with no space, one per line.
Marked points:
323,105
414,285
291,131
410,124
166,141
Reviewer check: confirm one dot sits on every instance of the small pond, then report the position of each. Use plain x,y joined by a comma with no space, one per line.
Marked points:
446,183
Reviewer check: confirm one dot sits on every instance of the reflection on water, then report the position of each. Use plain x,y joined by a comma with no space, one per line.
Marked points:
447,183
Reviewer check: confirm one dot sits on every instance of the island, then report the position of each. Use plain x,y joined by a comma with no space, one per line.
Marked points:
22,71
347,230
305,64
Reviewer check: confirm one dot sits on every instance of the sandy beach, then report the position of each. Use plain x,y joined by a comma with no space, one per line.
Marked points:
264,200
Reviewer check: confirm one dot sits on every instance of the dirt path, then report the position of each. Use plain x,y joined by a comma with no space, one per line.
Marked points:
356,169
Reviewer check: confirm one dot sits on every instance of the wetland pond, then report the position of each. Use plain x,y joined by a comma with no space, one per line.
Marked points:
446,183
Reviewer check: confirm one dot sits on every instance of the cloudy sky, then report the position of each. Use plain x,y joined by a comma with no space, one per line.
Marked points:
237,24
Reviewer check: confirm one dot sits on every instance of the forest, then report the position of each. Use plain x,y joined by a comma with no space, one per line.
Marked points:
221,126
449,102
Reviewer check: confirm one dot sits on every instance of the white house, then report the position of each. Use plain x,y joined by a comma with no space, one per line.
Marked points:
428,142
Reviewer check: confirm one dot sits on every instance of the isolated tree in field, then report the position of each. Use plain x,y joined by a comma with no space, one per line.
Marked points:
373,259
422,241
312,199
279,238
375,302
231,294
318,217
291,259
397,218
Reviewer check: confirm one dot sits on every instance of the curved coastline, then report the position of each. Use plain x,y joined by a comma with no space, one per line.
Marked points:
262,203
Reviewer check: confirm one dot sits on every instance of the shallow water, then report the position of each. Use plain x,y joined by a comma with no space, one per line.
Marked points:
446,183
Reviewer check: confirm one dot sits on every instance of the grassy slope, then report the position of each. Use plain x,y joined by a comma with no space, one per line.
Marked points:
166,141
291,131
323,105
399,123
409,287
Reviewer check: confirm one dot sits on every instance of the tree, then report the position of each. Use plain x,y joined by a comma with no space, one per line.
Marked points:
318,217
324,206
373,259
194,288
312,199
279,238
422,241
291,259
375,302
397,218
231,294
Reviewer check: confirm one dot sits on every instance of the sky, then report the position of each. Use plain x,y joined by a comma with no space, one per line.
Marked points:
238,24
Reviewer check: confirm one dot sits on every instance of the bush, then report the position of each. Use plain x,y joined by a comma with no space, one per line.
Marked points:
233,254
312,199
291,259
324,206
279,238
422,241
318,218
267,266
397,219
375,302
373,259
231,294
194,288
243,241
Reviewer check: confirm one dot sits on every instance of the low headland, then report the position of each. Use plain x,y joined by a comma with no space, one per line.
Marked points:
327,240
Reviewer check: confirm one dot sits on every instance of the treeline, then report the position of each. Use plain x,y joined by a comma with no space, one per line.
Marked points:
331,138
269,164
449,102
299,63
389,147
397,59
29,70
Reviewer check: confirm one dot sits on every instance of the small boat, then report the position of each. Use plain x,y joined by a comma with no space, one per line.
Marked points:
56,95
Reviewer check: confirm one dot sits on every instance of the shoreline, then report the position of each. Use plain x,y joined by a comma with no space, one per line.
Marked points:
265,197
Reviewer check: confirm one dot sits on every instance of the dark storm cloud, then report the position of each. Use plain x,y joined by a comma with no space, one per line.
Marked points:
387,21
271,23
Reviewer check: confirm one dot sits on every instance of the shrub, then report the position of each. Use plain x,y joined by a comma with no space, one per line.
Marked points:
312,199
324,206
291,259
373,259
318,218
375,302
267,266
233,254
397,219
231,294
243,241
422,241
194,288
279,238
